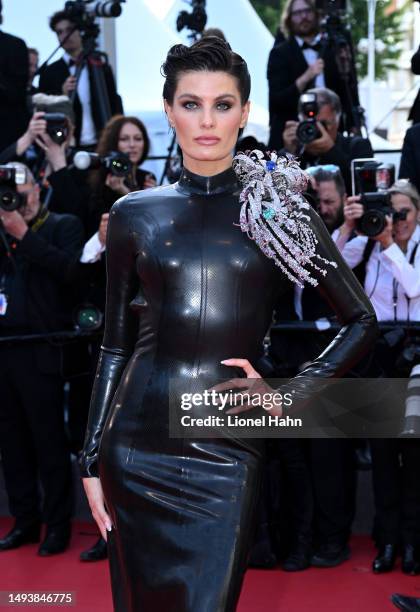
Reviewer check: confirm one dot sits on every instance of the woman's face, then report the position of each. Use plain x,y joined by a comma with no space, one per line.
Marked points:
403,230
131,142
207,114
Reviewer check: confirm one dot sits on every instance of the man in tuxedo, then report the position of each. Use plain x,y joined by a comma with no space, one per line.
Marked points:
410,156
38,256
14,70
59,78
301,62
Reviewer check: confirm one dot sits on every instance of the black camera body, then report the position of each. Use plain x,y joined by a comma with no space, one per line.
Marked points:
374,180
57,127
307,131
10,199
116,163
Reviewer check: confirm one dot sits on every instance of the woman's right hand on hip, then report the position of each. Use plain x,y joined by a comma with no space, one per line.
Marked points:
95,496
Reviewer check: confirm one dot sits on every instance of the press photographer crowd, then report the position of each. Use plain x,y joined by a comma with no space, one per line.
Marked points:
68,152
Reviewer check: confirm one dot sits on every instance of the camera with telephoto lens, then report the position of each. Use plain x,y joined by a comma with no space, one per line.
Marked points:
10,199
116,163
307,131
79,9
194,21
57,127
374,180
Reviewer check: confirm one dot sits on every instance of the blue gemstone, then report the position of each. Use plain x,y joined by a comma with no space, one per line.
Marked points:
268,213
270,165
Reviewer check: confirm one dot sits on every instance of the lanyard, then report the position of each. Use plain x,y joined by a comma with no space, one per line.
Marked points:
395,287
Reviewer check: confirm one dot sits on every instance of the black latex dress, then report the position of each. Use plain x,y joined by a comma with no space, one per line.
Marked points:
186,289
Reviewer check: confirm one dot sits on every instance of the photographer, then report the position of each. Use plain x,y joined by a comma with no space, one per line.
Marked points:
46,147
38,254
59,78
328,146
391,274
302,62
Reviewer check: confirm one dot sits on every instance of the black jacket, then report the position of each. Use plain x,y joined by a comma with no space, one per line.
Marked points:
414,115
286,63
39,282
14,115
410,158
345,149
51,82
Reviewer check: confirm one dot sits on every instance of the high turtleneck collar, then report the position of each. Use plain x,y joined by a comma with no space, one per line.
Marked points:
225,182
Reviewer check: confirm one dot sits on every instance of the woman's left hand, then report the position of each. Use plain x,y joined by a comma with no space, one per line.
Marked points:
253,385
116,183
149,181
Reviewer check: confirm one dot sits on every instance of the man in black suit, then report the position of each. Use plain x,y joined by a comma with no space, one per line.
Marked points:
414,114
301,62
38,255
410,157
14,70
331,147
59,78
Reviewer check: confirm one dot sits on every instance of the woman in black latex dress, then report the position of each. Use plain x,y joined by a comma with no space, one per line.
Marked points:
187,290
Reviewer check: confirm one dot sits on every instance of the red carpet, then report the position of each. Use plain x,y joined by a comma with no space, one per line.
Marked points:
349,588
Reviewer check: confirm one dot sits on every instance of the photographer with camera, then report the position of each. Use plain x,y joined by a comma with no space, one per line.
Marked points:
304,61
38,255
315,137
60,78
46,147
388,258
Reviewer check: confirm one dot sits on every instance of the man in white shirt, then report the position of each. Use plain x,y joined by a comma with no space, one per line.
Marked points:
60,78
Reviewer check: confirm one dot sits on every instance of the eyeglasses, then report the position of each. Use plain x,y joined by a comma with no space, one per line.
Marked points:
326,167
302,12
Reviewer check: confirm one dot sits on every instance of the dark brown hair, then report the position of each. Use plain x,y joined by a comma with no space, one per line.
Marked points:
59,16
108,142
209,53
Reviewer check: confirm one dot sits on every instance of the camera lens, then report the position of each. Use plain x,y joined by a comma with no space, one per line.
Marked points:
108,8
371,223
307,131
9,200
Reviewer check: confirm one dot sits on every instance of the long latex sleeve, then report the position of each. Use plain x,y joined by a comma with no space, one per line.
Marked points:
120,330
353,309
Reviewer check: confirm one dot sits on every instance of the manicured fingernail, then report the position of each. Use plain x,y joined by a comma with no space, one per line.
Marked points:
109,527
224,361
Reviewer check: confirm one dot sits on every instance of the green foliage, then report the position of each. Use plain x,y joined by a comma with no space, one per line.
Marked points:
388,29
269,12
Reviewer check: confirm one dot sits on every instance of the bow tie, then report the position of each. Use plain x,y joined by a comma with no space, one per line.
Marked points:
315,47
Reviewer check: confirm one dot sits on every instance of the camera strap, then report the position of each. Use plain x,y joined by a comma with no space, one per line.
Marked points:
43,215
395,287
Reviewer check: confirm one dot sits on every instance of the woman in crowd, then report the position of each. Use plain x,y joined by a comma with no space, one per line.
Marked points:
189,296
391,277
126,135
